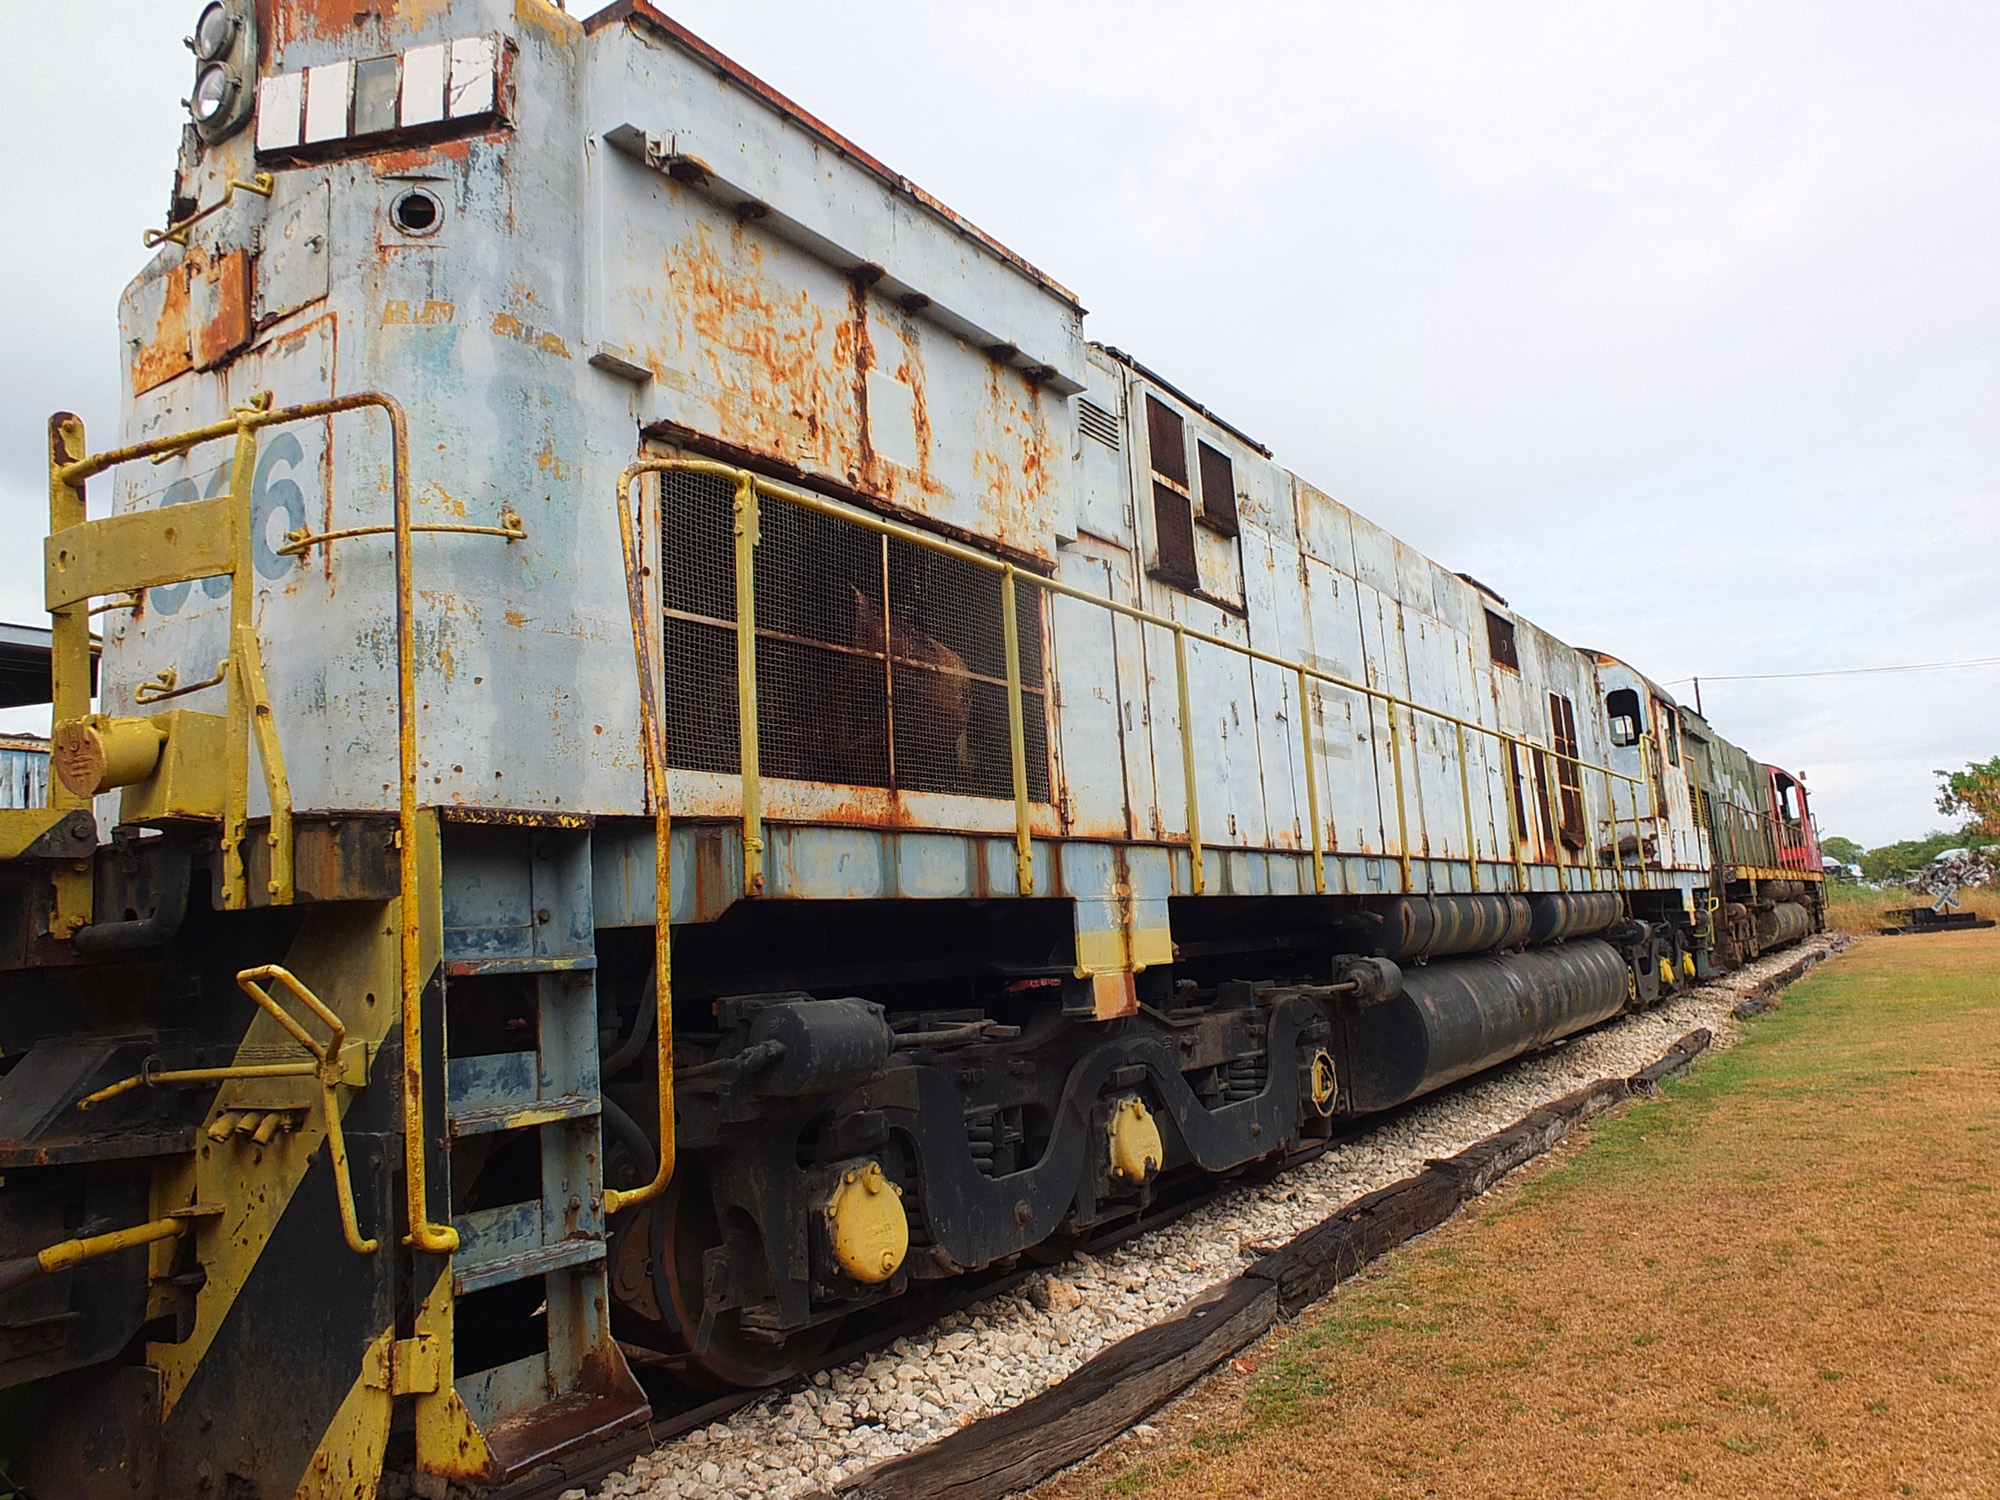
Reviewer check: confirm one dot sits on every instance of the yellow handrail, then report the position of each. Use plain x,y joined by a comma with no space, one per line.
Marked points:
1312,784
748,536
66,1253
1396,703
69,467
1195,881
330,1064
1017,737
652,752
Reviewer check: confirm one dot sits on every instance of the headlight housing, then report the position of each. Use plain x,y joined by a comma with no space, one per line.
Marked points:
212,88
213,33
224,45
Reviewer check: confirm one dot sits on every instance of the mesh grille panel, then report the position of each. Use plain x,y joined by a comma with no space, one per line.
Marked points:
908,693
698,608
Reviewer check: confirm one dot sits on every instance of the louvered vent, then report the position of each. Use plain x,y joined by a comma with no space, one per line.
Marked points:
1097,423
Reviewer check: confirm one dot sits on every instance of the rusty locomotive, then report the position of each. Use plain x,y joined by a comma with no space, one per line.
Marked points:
676,755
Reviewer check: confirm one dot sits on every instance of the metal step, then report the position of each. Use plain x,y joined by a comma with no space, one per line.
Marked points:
499,1245
518,903
506,1091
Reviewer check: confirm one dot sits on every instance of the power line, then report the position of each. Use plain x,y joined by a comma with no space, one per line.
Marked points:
1918,666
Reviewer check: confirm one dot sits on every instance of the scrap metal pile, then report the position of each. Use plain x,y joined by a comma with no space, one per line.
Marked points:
1942,879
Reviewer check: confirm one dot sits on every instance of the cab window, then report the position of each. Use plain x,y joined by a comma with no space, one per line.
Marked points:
1622,707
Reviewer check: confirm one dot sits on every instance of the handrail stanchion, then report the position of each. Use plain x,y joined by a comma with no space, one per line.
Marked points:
1511,795
1017,737
236,749
653,756
1465,797
1196,883
1402,807
1552,798
1312,784
746,685
73,882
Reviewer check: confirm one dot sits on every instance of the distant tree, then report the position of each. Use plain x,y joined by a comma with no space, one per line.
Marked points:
1894,861
1845,850
1975,794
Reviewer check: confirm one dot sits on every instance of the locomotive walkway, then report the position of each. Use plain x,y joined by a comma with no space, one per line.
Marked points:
1775,1279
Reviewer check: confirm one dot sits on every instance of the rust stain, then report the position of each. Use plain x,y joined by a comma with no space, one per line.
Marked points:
339,20
783,380
436,494
396,312
204,318
165,354
416,158
862,347
515,617
508,326
911,372
227,329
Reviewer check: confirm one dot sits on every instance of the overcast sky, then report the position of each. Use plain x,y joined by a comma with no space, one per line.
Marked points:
1678,325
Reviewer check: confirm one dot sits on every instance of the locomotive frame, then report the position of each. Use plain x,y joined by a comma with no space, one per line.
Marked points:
998,792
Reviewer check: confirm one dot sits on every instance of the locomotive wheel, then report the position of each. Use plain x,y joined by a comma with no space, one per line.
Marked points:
682,1228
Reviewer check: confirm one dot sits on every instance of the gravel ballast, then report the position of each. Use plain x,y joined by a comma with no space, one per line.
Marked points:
997,1353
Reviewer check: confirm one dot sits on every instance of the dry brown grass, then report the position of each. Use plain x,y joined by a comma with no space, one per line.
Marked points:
1778,1280
1859,909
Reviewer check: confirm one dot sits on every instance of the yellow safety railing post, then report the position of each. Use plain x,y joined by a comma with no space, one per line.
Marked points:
746,684
1196,882
330,1073
282,883
1017,737
1312,783
73,882
70,467
1638,872
1654,801
1552,804
1510,795
1465,797
653,755
242,621
1593,866
1402,809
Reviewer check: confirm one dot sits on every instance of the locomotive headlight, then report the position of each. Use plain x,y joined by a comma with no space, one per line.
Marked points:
213,33
224,45
212,88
